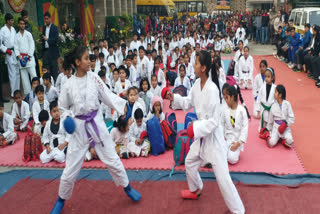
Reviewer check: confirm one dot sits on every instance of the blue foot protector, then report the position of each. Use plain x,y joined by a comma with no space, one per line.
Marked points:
132,193
58,206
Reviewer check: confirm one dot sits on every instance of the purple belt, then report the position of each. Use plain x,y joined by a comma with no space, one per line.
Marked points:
279,122
89,118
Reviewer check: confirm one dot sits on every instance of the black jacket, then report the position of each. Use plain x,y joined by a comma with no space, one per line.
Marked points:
316,47
52,41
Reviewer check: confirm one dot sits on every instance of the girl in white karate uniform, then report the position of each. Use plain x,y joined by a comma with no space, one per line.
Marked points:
266,99
257,84
160,74
182,79
155,89
79,100
54,137
245,70
236,59
235,124
209,144
281,118
133,105
137,145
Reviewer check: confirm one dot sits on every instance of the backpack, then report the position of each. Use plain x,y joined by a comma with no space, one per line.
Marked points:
190,117
172,120
169,134
231,81
181,90
32,147
155,136
171,77
181,149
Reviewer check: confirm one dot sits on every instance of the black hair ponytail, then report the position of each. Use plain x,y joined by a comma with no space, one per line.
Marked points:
121,123
242,102
76,53
205,59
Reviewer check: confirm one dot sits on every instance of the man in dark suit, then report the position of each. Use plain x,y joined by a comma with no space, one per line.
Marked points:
50,37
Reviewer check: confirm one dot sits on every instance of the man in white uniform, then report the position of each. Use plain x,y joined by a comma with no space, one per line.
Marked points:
7,35
24,50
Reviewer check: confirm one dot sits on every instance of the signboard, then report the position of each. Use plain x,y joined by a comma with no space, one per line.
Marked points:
17,5
223,5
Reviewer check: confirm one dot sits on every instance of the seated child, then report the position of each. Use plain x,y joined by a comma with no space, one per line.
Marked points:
103,76
137,145
281,117
145,93
20,112
54,138
68,74
120,138
7,134
122,84
182,79
140,100
158,71
31,97
114,79
93,63
38,105
132,105
235,123
156,109
50,91
155,88
44,71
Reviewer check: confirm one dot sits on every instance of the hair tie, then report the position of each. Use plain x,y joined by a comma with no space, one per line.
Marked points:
271,70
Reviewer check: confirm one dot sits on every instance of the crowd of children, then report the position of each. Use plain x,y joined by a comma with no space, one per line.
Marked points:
127,85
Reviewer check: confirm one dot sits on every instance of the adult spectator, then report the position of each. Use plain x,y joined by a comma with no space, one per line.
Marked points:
25,16
258,24
50,37
303,49
265,26
272,15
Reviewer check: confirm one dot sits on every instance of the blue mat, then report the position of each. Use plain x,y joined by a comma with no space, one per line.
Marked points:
10,178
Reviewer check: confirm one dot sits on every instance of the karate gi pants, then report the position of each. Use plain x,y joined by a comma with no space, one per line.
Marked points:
55,154
14,77
25,72
275,136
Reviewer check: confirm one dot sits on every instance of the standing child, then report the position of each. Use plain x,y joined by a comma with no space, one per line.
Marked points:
281,117
80,100
51,92
7,134
38,105
137,145
155,89
209,144
119,135
156,109
123,84
54,137
145,93
266,99
182,79
20,112
235,124
245,70
257,84
143,62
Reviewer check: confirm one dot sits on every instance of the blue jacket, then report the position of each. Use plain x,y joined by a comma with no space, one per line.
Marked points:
295,41
306,40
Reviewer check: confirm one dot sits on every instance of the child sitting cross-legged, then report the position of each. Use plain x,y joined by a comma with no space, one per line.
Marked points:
54,138
7,134
120,138
20,112
137,132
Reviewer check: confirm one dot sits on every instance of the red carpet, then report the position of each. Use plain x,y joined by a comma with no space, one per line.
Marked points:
305,100
38,197
257,157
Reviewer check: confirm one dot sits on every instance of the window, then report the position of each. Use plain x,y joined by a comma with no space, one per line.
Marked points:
200,7
314,17
304,18
298,19
192,7
181,6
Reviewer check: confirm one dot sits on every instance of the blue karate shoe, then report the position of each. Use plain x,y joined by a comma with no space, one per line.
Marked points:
132,193
69,125
57,206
